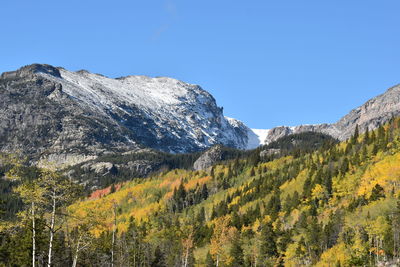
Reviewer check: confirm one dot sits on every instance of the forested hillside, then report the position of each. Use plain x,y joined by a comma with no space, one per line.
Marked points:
337,205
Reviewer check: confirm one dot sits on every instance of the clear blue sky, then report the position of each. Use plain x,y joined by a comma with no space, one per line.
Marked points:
267,63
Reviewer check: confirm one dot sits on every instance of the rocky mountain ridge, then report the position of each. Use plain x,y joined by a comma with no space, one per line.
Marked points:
371,114
69,117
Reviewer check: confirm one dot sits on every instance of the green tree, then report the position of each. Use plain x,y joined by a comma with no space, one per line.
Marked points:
355,136
377,193
158,259
236,252
268,248
209,260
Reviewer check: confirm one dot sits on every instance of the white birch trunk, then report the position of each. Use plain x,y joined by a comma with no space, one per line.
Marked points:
113,237
52,223
33,235
76,253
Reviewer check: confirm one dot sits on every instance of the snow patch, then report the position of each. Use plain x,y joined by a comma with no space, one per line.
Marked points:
257,137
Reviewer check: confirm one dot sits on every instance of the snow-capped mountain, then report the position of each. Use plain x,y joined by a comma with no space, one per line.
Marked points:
63,112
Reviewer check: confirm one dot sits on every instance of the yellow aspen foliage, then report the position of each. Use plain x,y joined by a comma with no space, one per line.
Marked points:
291,257
221,239
289,187
359,247
234,201
198,181
337,254
386,173
319,192
256,226
377,227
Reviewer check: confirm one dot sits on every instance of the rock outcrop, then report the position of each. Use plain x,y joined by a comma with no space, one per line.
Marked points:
208,158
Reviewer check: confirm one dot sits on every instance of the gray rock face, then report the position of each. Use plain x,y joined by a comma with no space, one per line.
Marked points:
373,113
141,167
38,118
370,115
208,158
269,152
99,167
53,114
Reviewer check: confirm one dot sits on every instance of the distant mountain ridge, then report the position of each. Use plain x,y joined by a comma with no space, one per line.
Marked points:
371,114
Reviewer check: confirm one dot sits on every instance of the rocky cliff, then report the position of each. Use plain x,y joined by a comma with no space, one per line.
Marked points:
208,158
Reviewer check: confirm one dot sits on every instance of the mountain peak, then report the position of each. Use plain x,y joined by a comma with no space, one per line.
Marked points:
32,69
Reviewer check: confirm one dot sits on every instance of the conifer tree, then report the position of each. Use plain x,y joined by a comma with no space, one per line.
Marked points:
209,260
355,136
252,172
204,192
366,139
236,252
268,247
158,259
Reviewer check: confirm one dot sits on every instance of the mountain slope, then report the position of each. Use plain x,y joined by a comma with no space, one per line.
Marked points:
335,206
373,113
79,114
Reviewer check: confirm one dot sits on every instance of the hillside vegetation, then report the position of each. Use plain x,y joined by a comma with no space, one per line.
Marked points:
337,205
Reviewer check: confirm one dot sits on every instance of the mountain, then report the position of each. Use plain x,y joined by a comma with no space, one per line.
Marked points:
71,117
373,113
63,116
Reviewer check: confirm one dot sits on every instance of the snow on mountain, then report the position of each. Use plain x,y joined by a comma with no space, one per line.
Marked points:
191,115
257,137
183,117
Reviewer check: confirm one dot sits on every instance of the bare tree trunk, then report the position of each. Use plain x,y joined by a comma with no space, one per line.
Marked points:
113,236
52,223
185,258
76,253
33,235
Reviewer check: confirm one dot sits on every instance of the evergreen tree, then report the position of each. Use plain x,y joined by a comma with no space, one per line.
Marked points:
209,260
252,172
377,193
328,185
345,166
158,259
268,241
366,140
307,187
355,136
236,252
204,192
112,189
